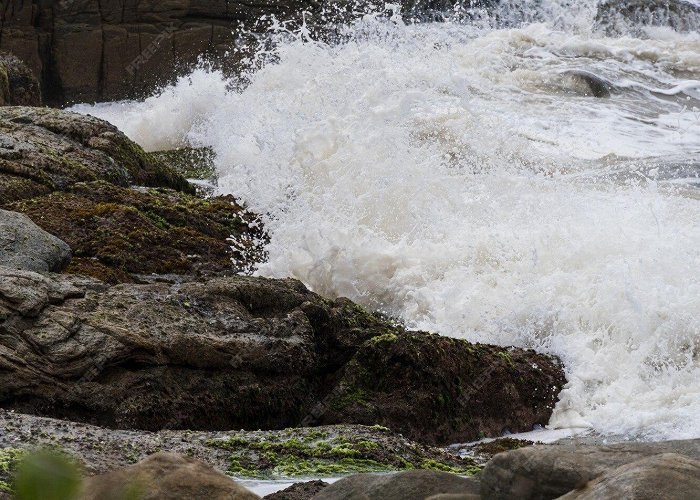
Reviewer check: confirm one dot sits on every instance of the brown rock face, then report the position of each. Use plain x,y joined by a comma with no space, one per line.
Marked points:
243,352
165,476
88,50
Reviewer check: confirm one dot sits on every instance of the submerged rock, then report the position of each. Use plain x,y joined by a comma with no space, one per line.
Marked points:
44,150
241,352
551,471
402,486
24,245
669,476
165,475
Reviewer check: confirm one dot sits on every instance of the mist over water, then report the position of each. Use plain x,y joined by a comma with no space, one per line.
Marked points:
464,179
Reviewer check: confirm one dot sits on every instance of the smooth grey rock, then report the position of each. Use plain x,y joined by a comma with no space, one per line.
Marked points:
411,485
669,476
549,471
24,245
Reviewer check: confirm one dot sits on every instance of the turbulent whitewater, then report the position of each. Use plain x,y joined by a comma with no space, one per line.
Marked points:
464,179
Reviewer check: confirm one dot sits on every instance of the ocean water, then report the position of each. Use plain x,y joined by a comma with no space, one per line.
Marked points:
462,177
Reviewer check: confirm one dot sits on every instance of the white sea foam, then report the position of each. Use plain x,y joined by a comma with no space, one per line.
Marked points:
455,178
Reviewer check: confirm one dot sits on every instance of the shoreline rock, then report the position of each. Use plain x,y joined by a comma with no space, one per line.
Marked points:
24,245
243,352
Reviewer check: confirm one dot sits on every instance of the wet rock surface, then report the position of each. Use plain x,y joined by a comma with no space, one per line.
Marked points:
243,352
24,245
44,150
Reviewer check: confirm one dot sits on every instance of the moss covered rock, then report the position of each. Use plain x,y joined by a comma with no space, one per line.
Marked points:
115,232
44,150
330,451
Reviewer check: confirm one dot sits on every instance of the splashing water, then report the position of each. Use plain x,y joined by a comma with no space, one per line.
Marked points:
464,179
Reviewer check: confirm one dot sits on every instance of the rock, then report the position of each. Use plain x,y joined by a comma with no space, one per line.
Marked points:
669,476
410,485
331,451
43,150
24,245
299,491
540,472
594,85
165,476
404,381
196,164
242,352
289,453
621,17
18,86
117,232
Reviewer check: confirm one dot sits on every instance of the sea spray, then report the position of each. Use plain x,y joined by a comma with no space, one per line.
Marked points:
451,175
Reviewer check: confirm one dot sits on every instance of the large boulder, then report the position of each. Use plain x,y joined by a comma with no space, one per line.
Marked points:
43,150
165,476
411,485
18,85
669,476
242,352
24,245
621,17
544,472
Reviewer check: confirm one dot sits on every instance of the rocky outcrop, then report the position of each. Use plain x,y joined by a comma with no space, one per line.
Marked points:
402,486
18,85
621,17
290,453
543,472
117,232
165,475
24,245
243,352
668,475
44,150
74,175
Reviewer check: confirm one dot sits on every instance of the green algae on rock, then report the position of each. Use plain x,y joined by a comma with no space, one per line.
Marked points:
9,458
330,451
115,232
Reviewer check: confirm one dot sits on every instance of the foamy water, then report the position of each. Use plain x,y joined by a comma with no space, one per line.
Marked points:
462,179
